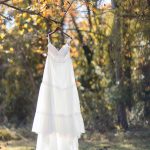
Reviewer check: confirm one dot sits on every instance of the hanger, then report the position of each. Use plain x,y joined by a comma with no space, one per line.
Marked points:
59,28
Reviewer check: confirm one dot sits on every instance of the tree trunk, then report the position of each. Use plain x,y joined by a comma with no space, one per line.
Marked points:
122,116
117,47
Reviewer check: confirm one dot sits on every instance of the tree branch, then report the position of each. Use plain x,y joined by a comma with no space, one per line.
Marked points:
27,11
88,53
4,1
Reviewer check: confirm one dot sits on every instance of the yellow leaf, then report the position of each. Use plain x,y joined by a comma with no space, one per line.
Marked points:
39,66
10,30
11,49
47,12
38,20
25,25
21,32
24,15
76,54
18,15
117,127
1,47
17,24
74,65
62,14
17,1
30,30
10,61
2,35
3,26
78,83
39,51
94,9
28,20
109,107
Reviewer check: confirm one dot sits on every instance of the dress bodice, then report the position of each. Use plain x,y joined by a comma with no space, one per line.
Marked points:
59,55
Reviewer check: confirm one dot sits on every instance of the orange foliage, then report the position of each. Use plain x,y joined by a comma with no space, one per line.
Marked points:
17,1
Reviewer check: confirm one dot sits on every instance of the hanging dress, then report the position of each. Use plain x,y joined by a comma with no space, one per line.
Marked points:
58,120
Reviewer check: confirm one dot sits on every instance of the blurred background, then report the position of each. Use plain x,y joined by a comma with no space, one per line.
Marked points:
110,51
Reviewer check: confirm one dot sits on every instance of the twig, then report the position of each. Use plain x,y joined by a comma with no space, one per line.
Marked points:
70,4
8,18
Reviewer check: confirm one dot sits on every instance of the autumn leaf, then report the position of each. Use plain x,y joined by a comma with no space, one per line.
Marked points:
17,1
21,31
39,51
3,27
47,12
24,15
30,29
62,14
11,49
1,47
25,26
2,35
39,66
94,9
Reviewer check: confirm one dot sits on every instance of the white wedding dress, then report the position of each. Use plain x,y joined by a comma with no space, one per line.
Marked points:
58,120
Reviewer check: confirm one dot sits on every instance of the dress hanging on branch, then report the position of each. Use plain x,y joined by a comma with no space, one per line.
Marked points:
58,120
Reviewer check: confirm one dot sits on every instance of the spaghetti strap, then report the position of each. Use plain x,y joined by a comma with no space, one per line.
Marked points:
48,39
68,41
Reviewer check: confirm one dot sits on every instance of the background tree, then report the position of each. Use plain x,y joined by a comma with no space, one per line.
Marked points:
110,52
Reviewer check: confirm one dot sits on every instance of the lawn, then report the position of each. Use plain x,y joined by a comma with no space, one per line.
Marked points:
135,139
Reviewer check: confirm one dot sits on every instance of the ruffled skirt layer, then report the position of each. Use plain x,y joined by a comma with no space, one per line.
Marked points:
65,125
58,120
56,142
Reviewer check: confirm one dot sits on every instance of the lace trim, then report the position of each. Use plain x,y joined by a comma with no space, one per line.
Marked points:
55,86
59,59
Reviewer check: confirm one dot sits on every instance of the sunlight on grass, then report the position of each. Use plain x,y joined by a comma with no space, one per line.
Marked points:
132,140
127,146
21,148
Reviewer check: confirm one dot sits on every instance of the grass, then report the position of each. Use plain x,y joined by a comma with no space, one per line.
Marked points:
138,139
132,140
